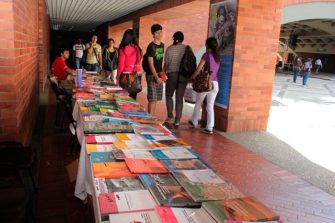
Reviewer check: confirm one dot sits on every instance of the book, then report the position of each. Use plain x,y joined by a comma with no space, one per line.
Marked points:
146,120
145,166
117,114
166,190
101,157
159,137
176,153
205,185
183,215
170,143
135,217
103,185
150,129
111,170
100,139
129,136
118,154
126,201
191,164
135,154
133,145
95,118
240,209
90,148
99,127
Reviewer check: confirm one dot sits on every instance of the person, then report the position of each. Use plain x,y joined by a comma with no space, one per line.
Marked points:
110,57
130,56
93,57
318,66
78,52
307,71
297,65
153,66
175,81
59,68
212,56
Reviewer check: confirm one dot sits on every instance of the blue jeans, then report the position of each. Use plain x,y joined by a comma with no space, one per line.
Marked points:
305,78
77,61
296,72
92,67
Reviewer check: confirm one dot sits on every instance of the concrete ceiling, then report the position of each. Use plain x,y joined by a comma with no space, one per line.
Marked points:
85,15
314,36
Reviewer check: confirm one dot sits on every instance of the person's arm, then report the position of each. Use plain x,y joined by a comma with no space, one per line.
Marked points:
153,70
166,58
199,68
74,52
100,57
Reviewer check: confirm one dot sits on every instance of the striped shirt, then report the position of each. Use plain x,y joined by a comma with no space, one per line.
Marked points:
173,56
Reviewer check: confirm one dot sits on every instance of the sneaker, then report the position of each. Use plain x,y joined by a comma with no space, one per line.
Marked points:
169,120
206,131
191,123
176,124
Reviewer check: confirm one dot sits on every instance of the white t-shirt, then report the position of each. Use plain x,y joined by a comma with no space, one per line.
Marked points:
318,62
79,50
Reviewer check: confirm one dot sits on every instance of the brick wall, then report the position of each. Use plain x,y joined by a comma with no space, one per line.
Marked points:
256,46
21,71
145,31
116,31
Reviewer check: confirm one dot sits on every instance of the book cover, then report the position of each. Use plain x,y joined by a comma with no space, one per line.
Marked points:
150,129
133,145
175,154
158,137
111,170
206,185
116,114
101,157
100,139
126,201
170,143
138,154
90,148
145,166
241,209
167,191
190,164
183,215
118,154
129,136
107,185
100,127
135,217
146,120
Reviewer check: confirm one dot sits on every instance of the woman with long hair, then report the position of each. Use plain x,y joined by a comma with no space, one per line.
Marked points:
212,60
110,58
130,57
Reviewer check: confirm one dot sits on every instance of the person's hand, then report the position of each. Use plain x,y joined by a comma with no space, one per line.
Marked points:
193,77
159,80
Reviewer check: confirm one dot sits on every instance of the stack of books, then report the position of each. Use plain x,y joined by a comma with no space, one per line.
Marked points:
144,173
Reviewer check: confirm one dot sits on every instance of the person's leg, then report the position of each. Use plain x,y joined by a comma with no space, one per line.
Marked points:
96,67
180,98
196,111
88,67
151,94
77,62
295,75
210,106
317,69
171,85
305,78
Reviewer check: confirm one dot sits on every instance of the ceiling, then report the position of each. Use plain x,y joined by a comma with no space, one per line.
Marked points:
85,15
314,36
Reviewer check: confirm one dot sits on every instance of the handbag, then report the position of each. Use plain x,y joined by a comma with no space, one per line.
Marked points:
203,82
190,95
131,81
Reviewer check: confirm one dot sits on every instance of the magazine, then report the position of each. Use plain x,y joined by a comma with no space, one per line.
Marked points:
135,217
175,154
184,215
145,166
191,164
105,185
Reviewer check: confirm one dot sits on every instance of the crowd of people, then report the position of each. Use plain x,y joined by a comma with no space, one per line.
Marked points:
174,66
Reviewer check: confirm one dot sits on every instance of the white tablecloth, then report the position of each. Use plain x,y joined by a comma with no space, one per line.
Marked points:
85,179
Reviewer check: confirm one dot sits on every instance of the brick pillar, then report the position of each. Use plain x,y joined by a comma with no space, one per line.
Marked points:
256,46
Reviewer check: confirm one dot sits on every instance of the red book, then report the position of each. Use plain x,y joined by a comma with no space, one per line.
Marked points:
145,166
100,139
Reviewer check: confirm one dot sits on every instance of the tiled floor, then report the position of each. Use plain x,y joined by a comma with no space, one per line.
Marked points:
294,199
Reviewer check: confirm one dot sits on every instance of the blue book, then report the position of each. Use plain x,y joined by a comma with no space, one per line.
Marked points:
175,154
102,157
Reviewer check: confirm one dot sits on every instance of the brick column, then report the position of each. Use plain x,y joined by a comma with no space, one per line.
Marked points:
256,46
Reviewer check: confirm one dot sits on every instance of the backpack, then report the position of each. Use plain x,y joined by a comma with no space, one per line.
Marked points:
188,63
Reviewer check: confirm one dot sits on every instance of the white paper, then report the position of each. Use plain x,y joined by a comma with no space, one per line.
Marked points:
143,217
139,154
134,200
179,153
192,215
104,138
104,148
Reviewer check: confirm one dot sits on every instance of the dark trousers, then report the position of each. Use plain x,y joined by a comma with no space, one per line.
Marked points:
175,83
92,67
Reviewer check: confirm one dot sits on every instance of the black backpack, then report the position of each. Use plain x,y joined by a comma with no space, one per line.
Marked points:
188,63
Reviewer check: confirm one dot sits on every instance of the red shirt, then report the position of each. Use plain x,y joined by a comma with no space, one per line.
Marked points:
59,68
